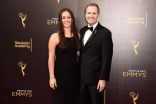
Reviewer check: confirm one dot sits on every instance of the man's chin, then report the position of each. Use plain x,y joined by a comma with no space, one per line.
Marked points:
90,23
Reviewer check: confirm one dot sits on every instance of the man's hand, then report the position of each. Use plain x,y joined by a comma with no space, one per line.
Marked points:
101,85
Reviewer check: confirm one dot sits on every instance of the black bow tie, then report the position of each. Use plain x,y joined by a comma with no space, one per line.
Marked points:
91,28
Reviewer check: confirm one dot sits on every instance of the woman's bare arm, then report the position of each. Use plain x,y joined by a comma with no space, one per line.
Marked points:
53,41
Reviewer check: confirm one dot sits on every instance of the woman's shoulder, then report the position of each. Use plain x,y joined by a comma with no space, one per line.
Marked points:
54,37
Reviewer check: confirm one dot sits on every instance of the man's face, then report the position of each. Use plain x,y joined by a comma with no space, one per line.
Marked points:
91,15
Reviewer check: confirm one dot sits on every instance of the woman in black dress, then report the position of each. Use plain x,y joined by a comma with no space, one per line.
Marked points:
64,70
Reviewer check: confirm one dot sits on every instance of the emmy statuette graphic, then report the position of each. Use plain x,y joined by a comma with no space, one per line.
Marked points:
58,1
133,42
132,94
22,67
23,18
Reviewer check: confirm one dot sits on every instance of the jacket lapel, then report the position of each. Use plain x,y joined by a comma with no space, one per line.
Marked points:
96,30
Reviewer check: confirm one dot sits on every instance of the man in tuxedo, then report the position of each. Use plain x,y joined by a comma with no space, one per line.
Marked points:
95,57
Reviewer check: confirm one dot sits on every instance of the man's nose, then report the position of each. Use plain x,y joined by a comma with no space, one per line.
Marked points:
91,15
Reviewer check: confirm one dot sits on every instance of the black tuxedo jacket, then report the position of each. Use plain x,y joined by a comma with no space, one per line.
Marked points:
96,55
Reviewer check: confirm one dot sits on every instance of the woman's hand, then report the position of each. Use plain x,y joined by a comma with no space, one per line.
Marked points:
78,53
52,83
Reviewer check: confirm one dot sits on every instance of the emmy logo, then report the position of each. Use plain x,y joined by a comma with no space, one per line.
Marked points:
23,18
133,42
132,94
22,67
58,1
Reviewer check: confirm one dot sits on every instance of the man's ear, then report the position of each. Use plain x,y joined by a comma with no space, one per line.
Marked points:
98,17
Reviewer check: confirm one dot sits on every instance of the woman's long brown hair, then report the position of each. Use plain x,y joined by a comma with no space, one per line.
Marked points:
63,42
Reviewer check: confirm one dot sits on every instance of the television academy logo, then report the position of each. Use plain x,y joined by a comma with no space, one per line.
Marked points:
53,21
137,21
24,44
135,73
25,93
132,94
22,67
23,18
133,42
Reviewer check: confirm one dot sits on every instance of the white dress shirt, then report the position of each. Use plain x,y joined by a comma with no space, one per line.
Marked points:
88,33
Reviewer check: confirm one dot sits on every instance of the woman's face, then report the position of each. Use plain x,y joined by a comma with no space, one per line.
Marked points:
66,19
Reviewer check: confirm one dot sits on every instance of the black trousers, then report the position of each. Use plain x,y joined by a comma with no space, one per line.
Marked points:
88,94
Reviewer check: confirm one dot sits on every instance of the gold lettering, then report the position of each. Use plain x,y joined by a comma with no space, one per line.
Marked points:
13,94
129,74
22,46
23,93
139,74
16,46
128,18
18,93
30,94
134,74
144,75
27,94
135,19
128,22
135,22
142,22
124,74
15,42
48,22
52,22
57,22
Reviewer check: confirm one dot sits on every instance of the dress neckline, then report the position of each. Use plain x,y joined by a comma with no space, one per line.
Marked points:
67,38
70,37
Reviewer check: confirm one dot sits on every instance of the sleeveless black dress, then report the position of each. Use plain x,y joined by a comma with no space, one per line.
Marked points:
66,74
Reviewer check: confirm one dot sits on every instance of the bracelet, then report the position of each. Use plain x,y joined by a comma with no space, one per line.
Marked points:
52,77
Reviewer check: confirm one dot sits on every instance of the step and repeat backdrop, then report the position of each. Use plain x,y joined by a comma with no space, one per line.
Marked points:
25,28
